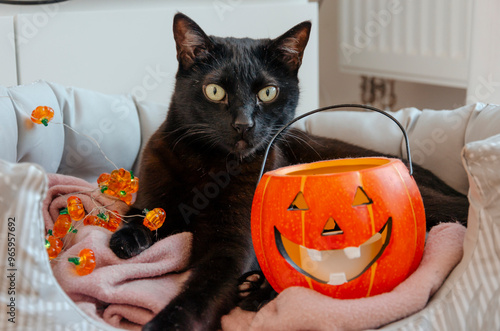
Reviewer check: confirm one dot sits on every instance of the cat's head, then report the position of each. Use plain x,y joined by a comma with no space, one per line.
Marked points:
231,95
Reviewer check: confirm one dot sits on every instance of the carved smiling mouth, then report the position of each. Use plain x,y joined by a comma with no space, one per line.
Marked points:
336,266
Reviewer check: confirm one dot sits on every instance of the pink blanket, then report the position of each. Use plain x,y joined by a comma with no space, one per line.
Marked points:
123,293
127,293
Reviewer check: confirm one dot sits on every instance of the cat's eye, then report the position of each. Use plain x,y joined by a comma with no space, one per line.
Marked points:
214,92
268,93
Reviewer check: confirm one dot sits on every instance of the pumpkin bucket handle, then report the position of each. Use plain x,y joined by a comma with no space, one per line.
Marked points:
407,143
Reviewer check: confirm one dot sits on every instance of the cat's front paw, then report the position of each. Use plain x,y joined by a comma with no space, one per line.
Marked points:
130,241
254,291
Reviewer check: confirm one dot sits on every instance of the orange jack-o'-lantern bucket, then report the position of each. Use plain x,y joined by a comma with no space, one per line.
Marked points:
347,228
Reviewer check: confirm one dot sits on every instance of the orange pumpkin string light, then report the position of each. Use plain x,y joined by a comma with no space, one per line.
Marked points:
53,245
42,115
100,220
63,224
114,221
85,262
127,198
119,180
154,218
75,208
103,220
119,183
103,182
134,183
89,220
94,220
110,221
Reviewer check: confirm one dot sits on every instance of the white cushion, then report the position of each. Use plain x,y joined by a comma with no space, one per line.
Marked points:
151,115
38,144
8,127
110,120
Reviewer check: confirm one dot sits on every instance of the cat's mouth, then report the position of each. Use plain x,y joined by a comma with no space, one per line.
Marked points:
246,145
242,148
241,145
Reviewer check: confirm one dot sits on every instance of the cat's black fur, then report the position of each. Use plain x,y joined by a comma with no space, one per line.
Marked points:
202,164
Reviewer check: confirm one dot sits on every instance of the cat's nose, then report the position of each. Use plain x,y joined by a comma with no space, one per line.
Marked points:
243,126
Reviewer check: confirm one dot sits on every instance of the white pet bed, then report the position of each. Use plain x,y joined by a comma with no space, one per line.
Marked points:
462,146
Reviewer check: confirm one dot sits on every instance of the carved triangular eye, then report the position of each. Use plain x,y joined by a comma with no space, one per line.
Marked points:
331,228
299,203
360,198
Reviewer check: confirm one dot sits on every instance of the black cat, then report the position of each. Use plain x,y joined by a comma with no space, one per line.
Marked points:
202,165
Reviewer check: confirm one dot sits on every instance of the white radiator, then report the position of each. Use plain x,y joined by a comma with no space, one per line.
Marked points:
424,41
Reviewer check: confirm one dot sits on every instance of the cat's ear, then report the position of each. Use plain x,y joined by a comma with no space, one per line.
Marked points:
290,46
190,40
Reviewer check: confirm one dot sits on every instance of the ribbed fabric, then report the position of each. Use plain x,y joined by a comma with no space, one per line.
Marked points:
40,303
470,298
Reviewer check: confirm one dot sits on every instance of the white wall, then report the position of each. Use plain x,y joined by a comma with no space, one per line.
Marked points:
337,87
484,74
127,46
8,74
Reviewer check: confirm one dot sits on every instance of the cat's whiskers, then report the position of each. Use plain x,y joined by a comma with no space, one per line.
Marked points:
187,127
198,132
284,138
301,140
216,140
